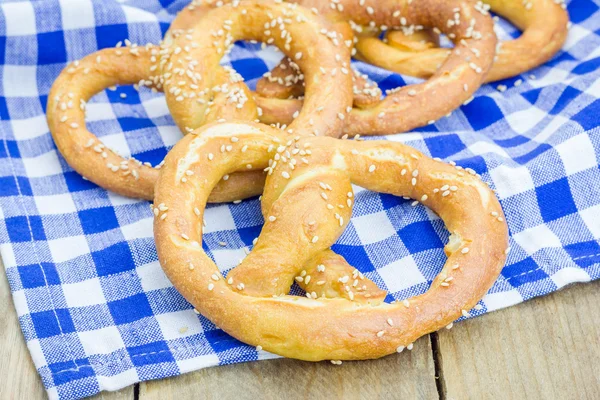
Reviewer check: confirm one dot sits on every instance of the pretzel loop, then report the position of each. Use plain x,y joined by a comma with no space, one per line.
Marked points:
198,91
544,27
304,226
458,77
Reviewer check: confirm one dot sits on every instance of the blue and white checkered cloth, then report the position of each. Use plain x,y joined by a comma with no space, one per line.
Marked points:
94,305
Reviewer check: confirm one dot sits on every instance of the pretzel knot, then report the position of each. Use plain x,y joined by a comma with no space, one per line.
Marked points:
198,90
410,51
306,208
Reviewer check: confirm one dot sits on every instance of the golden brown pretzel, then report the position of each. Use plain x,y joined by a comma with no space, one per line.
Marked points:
408,107
306,208
198,90
544,26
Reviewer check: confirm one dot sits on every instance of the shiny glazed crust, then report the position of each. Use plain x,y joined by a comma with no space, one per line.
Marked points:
408,107
198,91
544,27
306,209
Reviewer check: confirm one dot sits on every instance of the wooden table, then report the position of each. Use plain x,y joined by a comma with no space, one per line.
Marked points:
547,348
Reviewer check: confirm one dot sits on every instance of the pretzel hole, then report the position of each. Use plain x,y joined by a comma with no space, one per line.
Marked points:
142,117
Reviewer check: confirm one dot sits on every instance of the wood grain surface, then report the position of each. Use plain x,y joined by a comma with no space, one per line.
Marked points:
547,348
409,375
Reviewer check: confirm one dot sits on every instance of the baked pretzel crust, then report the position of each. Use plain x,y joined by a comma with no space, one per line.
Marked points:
251,304
405,108
198,91
543,23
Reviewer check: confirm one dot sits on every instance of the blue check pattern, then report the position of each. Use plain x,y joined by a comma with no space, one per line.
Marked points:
96,309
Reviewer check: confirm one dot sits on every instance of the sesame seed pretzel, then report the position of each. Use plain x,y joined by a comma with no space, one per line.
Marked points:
404,108
306,208
198,91
543,23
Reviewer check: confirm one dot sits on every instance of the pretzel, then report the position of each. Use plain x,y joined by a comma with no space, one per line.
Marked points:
407,107
543,23
306,208
197,90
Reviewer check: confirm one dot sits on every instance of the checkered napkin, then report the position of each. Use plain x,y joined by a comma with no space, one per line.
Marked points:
94,305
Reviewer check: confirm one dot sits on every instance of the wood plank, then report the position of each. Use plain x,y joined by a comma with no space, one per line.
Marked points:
546,348
20,379
409,375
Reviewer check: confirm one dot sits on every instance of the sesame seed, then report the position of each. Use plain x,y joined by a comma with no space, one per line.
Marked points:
372,168
380,333
272,218
399,349
465,250
315,239
211,286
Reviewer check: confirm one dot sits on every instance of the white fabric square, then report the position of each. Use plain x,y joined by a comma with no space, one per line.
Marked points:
552,77
118,381
551,129
52,393
175,325
228,258
152,277
567,275
84,293
496,301
117,143
218,219
594,89
68,248
156,107
30,128
37,354
372,228
524,120
482,148
134,14
19,18
101,341
577,154
511,181
139,229
169,134
77,14
45,165
270,55
8,255
536,238
20,302
574,35
55,204
401,274
192,364
118,200
99,112
591,218
20,80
